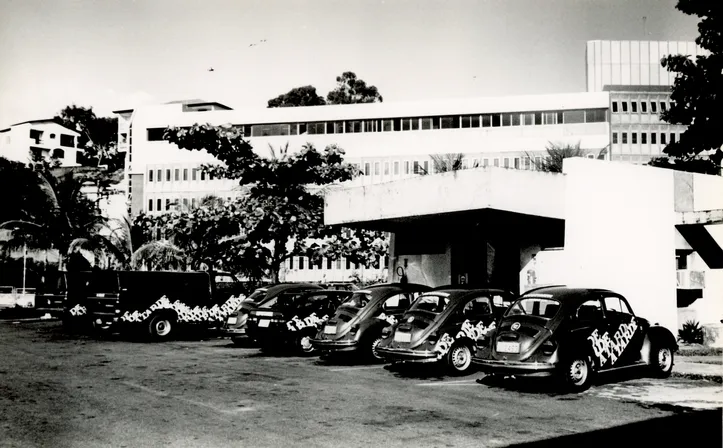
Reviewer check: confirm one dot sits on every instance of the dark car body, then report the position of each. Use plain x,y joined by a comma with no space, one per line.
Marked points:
358,322
293,318
444,325
51,294
574,332
235,325
152,302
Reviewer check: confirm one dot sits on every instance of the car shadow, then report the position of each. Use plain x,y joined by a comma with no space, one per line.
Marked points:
423,371
551,385
343,359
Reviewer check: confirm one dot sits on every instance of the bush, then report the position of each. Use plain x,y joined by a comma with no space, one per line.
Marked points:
691,333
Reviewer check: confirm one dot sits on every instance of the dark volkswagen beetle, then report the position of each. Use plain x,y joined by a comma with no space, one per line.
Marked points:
573,333
444,325
358,322
293,318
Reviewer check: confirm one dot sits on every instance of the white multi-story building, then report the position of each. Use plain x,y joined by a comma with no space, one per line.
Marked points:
639,89
39,138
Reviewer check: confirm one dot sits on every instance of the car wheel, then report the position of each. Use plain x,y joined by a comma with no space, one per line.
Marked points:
161,326
372,352
459,358
661,361
577,373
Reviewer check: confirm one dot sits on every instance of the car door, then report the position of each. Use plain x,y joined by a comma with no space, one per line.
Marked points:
588,332
625,330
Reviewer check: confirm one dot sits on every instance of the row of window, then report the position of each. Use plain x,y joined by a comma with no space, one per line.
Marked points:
177,175
622,106
643,138
301,263
168,204
417,123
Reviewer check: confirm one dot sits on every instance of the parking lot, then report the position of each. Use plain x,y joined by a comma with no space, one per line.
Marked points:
62,390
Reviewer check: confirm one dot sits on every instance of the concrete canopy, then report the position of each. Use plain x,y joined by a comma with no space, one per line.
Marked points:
458,196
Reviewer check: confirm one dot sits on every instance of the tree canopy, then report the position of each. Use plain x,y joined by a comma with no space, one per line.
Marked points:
279,215
98,136
297,97
697,94
352,90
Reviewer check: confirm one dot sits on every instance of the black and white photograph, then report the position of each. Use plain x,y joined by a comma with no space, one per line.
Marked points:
361,223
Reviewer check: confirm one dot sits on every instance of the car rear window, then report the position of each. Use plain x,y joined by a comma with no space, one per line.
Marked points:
432,303
537,306
359,299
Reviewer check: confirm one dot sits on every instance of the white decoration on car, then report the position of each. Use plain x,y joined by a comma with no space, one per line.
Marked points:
390,319
296,324
186,313
78,310
468,330
606,348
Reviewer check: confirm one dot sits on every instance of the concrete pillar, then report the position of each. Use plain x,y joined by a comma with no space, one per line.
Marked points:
620,234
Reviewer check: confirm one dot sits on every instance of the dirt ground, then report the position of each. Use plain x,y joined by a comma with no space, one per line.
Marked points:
61,390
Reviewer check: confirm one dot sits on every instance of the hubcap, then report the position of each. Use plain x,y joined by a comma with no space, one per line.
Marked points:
460,357
664,358
578,371
375,344
163,327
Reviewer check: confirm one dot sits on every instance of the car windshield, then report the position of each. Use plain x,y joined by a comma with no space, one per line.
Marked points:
537,306
432,303
359,299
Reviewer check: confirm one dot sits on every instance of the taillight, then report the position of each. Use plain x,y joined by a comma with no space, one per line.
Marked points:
548,347
354,329
386,332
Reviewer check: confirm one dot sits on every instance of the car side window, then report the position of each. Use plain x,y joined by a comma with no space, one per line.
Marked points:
477,307
615,305
397,301
589,311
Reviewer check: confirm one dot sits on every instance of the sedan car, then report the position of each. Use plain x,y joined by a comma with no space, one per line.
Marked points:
444,325
235,325
358,322
573,333
293,318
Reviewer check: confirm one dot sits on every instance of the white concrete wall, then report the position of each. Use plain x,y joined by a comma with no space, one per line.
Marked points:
547,267
620,234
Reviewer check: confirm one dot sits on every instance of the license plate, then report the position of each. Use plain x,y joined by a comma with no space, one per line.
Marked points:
508,347
264,313
100,294
264,323
330,329
232,320
402,337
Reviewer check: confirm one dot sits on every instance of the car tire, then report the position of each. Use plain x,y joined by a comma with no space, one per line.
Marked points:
161,326
459,358
303,345
371,348
576,373
661,360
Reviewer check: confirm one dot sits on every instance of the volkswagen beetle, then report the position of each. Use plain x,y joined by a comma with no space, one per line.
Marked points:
573,333
444,325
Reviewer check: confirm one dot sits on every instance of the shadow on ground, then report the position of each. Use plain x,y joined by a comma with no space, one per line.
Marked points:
688,428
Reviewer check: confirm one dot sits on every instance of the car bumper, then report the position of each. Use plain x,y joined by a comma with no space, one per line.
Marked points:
397,354
519,368
234,332
335,346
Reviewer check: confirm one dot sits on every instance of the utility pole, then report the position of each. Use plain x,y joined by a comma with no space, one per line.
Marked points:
25,256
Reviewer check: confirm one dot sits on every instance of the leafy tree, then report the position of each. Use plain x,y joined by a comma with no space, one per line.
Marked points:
281,213
297,97
697,94
160,255
352,90
98,136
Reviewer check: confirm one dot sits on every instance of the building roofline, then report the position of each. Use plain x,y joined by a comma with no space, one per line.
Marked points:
629,88
122,111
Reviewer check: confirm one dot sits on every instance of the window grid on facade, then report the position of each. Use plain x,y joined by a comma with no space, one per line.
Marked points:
653,138
625,138
644,138
634,137
615,137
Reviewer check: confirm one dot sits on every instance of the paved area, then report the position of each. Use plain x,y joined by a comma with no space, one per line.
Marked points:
72,391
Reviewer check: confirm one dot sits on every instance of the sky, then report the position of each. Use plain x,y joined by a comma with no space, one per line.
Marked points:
120,54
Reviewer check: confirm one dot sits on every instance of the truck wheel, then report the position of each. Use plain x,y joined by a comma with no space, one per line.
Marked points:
160,327
661,360
576,373
459,358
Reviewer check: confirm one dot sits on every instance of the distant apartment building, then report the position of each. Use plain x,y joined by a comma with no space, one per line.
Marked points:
24,141
639,88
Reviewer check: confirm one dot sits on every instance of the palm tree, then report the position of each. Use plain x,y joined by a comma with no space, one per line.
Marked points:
159,255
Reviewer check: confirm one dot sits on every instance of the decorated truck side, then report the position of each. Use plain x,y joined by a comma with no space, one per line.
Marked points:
156,302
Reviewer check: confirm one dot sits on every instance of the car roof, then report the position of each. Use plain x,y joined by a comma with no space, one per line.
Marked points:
566,294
